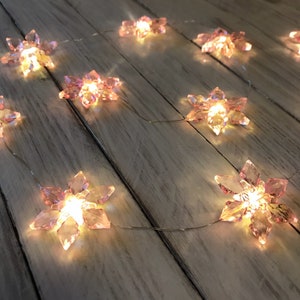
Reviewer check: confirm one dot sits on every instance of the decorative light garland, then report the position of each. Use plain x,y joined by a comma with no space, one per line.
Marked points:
143,27
223,43
31,53
7,117
70,209
91,89
217,110
256,200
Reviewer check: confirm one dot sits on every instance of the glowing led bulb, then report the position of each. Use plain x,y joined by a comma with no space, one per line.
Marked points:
73,208
30,53
256,200
217,118
218,110
223,43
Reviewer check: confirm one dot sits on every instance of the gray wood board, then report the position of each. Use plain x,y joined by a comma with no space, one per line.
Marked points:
15,280
102,264
170,68
177,188
270,66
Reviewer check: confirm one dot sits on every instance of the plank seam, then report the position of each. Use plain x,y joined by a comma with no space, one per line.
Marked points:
17,236
259,91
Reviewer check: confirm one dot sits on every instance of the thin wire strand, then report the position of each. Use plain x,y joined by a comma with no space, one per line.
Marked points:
25,164
164,229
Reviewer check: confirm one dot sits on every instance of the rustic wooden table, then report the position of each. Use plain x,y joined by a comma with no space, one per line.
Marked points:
164,172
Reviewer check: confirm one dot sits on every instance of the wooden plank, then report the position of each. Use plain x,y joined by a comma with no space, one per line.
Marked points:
15,279
106,264
175,191
185,77
271,68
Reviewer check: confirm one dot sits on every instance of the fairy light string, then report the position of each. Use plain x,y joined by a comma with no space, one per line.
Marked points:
69,209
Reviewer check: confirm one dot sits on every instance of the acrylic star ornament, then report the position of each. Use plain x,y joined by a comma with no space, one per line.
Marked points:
255,200
295,38
7,117
223,43
143,27
91,89
31,53
73,208
217,110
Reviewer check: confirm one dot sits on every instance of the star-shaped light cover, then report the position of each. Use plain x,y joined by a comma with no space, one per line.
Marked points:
295,38
223,43
143,27
69,210
7,116
31,53
255,199
91,89
217,110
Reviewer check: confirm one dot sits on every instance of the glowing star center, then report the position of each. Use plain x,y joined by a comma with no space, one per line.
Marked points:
29,60
142,28
72,208
217,118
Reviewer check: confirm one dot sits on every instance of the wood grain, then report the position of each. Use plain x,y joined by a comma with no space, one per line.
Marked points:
104,264
270,64
170,167
15,280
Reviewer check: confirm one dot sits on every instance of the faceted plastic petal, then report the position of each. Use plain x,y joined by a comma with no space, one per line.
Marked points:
276,187
260,226
236,103
217,94
45,220
14,44
68,233
48,47
52,195
196,115
250,173
159,25
100,194
202,38
78,183
127,28
281,213
238,118
96,218
73,86
233,211
33,38
229,184
196,100
8,116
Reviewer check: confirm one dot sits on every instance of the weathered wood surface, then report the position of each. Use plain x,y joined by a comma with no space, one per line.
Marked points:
105,264
169,167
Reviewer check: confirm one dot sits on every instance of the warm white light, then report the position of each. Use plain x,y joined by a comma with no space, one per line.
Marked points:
72,208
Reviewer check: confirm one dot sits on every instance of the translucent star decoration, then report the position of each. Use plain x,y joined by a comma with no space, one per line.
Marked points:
223,43
7,116
256,200
91,89
295,38
217,110
69,210
143,27
31,53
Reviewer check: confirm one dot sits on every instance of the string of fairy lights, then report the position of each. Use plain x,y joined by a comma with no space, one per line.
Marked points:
67,210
